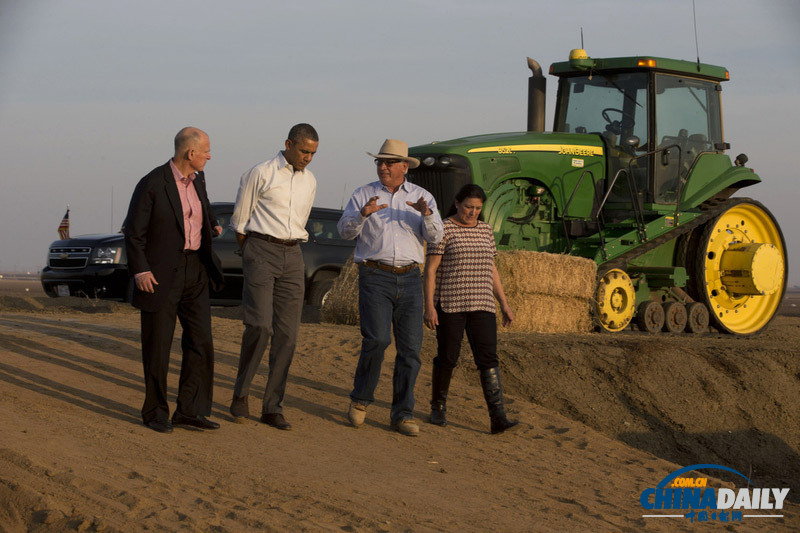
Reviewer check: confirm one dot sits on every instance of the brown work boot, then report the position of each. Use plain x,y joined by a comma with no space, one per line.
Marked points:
357,413
409,428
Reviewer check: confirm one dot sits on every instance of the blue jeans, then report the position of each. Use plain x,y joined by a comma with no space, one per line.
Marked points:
385,301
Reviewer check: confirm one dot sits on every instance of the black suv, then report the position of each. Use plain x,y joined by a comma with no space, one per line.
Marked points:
96,265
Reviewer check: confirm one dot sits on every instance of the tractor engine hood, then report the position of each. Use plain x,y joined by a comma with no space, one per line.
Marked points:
581,144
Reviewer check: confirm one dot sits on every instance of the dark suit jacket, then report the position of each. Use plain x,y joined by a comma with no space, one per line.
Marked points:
154,234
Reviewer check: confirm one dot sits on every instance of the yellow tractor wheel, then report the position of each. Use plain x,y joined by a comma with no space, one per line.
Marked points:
615,301
739,268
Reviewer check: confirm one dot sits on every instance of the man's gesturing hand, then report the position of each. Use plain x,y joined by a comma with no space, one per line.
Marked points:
421,205
372,206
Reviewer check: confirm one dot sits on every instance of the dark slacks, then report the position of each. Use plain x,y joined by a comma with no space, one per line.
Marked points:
272,303
188,300
481,328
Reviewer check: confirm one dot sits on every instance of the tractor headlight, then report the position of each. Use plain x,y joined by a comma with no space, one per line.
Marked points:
444,161
429,161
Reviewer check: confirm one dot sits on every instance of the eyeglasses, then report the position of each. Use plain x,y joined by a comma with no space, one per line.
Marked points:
387,162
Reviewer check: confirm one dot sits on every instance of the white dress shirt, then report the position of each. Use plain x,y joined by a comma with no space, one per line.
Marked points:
394,235
274,199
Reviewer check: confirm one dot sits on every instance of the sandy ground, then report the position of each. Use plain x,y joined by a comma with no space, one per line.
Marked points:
602,418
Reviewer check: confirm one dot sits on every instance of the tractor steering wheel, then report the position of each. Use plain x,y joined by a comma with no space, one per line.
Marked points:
616,126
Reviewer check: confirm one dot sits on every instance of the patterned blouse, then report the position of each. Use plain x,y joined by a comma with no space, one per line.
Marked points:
464,279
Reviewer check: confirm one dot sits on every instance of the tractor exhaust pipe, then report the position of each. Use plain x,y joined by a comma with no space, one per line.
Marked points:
537,90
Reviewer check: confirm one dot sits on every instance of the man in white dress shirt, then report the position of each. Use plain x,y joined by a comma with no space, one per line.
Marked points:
269,218
391,219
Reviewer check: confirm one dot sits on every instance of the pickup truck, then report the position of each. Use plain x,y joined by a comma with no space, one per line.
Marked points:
96,265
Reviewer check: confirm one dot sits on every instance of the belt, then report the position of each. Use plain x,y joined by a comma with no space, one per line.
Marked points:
189,252
390,268
270,238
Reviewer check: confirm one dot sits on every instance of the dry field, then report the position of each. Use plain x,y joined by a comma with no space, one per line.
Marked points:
602,418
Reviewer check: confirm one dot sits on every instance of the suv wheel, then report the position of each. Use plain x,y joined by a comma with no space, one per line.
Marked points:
319,291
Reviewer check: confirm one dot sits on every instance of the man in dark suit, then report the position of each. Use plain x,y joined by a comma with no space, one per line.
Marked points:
168,234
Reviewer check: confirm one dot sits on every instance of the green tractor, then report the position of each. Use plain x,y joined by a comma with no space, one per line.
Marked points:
635,176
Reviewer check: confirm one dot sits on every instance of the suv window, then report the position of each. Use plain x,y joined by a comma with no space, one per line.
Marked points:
227,233
323,229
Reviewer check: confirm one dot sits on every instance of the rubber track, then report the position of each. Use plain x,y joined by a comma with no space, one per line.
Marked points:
711,209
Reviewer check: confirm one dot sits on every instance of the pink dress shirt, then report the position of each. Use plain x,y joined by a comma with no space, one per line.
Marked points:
192,208
192,211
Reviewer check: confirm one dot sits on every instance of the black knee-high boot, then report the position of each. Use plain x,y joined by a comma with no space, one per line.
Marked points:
441,384
493,393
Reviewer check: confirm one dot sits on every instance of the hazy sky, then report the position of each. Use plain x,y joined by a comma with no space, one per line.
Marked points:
93,91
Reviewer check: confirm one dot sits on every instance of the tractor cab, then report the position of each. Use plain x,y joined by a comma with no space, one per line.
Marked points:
655,116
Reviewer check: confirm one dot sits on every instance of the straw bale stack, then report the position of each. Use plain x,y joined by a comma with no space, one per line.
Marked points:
525,272
549,293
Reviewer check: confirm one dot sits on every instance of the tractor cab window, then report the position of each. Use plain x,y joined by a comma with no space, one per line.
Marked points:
688,123
614,106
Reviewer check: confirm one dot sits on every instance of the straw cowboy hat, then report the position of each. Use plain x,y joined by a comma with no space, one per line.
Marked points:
394,149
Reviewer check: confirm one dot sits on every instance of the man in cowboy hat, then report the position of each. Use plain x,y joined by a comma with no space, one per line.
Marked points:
390,218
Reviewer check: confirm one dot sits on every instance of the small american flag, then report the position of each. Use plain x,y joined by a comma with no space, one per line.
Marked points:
63,228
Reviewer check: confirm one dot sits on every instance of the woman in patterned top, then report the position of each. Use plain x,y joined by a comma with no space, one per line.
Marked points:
460,285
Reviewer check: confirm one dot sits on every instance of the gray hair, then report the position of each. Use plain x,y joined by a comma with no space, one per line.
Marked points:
187,138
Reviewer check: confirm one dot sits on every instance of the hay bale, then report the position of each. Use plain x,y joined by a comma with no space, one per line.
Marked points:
525,272
549,293
341,305
544,313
